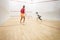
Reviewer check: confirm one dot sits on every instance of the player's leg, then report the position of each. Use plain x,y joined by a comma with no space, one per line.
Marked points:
20,19
23,19
40,19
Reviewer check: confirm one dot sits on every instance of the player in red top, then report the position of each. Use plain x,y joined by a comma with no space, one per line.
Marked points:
22,11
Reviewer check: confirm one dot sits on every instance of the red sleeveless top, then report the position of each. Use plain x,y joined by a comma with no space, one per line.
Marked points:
22,11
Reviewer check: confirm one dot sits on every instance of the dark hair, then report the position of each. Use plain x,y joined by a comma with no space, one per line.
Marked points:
36,12
23,6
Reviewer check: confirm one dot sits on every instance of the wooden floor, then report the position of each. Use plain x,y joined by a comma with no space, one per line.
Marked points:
33,29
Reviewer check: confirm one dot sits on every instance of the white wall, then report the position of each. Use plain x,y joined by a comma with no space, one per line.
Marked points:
48,10
3,10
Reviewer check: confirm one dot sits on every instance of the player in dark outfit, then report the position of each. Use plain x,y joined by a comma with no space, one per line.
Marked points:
39,17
